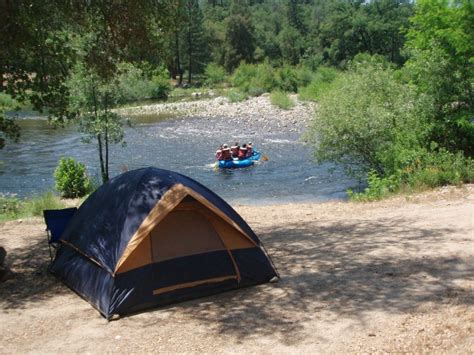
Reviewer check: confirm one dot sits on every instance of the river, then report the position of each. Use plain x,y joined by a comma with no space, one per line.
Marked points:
185,145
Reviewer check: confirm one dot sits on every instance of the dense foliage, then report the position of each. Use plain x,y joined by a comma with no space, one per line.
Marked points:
366,116
394,77
441,64
410,127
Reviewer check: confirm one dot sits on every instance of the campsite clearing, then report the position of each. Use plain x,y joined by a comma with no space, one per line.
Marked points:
396,275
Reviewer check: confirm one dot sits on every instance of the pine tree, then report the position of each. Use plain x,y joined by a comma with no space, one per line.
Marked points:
195,50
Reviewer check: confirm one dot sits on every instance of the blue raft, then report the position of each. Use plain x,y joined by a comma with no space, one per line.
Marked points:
236,163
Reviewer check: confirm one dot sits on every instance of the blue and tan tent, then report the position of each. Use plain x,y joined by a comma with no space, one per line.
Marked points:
151,237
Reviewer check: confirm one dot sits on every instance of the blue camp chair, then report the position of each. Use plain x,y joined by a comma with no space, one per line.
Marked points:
56,222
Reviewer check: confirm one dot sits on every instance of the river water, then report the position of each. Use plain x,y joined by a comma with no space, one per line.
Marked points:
184,145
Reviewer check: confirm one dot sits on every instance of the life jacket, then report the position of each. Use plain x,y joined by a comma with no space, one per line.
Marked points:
219,154
242,153
226,155
235,150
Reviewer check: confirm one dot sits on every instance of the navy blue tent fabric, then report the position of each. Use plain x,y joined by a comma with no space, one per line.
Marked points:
101,229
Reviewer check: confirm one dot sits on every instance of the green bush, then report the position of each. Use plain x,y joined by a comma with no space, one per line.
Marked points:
133,84
427,170
321,82
161,83
250,76
36,205
6,101
305,75
255,79
437,169
255,91
214,74
71,178
243,75
136,83
287,79
377,188
10,205
281,99
236,95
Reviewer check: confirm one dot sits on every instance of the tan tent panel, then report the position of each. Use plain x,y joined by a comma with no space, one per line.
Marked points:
183,233
182,225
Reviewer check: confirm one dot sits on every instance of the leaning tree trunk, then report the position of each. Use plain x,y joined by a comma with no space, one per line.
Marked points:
101,158
106,139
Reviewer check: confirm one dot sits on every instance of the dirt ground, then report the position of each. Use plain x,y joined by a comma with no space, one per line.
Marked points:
396,275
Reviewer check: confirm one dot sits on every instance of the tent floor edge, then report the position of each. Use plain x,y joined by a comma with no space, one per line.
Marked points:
173,301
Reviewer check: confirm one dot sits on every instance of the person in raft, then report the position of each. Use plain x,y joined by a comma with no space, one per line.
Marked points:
249,150
243,152
235,150
226,154
219,153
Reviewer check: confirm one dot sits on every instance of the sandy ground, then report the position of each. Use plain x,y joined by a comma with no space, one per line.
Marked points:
396,275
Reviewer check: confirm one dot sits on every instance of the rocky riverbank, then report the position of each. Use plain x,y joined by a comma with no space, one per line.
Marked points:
256,110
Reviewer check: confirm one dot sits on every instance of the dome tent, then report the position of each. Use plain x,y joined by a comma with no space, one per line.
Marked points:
151,237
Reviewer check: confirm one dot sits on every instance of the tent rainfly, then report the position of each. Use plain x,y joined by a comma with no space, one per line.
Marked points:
151,237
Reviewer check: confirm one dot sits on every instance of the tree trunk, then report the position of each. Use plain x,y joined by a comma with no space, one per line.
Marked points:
178,62
101,158
106,139
190,54
99,140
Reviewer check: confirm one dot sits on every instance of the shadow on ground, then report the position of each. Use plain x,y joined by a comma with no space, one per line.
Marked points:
339,270
30,281
328,271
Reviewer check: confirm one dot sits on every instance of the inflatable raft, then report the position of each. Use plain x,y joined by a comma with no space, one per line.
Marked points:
236,163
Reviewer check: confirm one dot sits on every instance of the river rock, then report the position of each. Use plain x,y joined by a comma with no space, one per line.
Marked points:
254,112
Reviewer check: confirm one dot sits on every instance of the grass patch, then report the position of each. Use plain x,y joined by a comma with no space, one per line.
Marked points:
34,207
281,100
11,207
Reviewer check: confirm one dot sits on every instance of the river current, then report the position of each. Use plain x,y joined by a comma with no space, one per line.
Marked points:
184,145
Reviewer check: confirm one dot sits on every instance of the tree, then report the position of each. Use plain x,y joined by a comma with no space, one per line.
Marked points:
8,128
370,121
239,39
195,45
42,40
441,47
268,20
294,17
291,46
342,29
92,100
